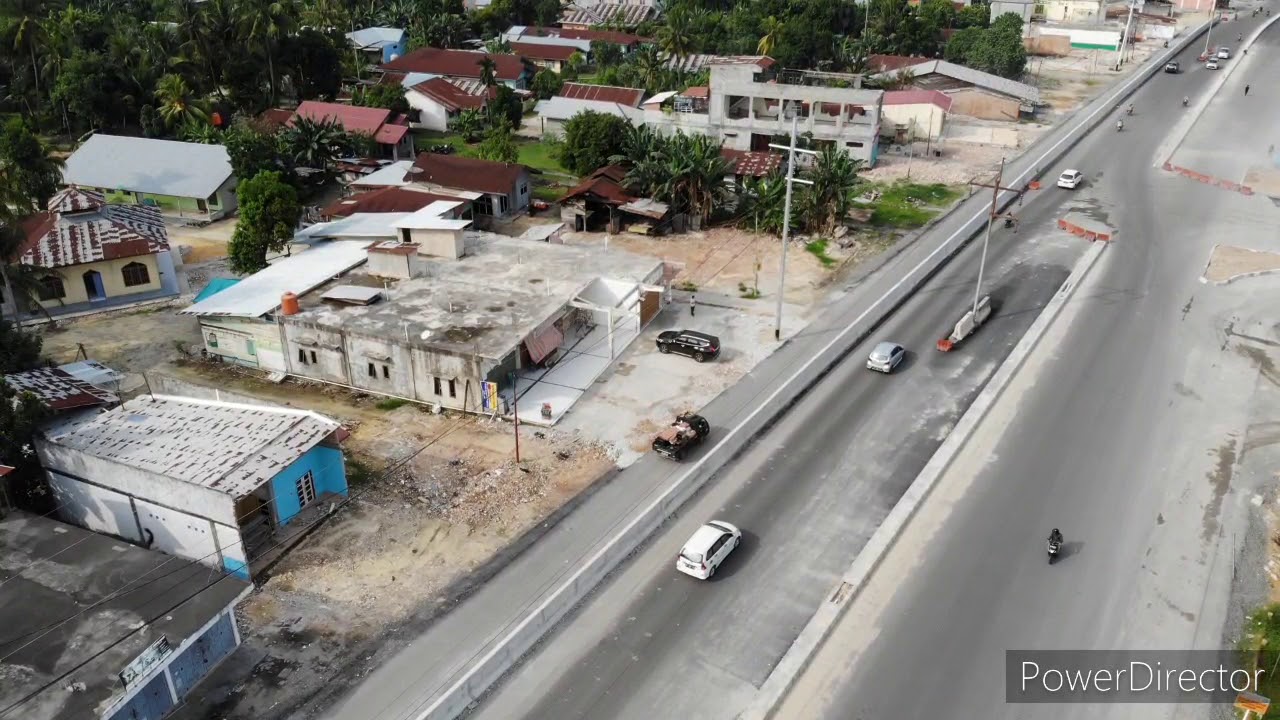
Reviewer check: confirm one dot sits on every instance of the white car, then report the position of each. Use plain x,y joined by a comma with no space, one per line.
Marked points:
1224,53
1212,64
1070,179
702,555
885,357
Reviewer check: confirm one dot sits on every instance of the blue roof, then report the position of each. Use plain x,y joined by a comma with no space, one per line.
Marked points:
216,286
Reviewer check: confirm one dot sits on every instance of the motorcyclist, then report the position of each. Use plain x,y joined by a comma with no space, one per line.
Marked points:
1185,100
1130,110
1119,125
1240,37
1055,537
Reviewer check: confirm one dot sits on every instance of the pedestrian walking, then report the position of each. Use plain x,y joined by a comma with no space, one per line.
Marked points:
693,304
1246,89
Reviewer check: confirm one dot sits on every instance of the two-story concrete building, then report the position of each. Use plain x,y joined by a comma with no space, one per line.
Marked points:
749,101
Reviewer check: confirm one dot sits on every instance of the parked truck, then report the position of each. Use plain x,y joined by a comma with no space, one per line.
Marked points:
687,432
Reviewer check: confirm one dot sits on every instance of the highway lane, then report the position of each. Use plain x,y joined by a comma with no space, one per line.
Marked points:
1126,430
808,495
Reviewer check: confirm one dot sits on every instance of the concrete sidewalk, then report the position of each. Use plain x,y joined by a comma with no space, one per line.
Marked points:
404,686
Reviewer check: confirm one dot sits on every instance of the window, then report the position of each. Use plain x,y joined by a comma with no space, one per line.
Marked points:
853,144
437,384
213,340
135,273
313,356
386,372
51,288
453,388
302,356
524,188
373,373
306,487
484,205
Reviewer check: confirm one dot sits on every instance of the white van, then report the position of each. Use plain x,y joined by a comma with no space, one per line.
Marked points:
709,546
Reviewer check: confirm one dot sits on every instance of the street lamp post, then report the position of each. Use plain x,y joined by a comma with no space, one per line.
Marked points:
786,211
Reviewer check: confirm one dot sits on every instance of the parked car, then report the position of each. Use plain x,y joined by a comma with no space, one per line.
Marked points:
1224,53
885,357
687,432
1070,179
1172,67
697,345
703,554
1212,64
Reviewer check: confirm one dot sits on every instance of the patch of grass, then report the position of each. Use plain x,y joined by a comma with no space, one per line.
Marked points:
536,154
687,286
748,293
818,248
1260,647
390,403
548,193
910,205
358,474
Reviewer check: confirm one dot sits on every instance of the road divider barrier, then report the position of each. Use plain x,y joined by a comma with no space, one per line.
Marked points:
1208,179
464,686
1086,233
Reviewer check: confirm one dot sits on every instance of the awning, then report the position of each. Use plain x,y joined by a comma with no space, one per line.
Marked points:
541,344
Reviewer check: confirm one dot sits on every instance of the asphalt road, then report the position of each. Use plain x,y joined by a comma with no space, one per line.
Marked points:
1128,429
808,495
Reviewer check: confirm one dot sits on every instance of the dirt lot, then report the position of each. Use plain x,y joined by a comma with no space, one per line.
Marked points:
960,163
409,542
132,341
204,243
1228,263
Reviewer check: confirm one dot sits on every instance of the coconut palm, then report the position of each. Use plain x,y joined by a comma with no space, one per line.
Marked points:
265,23
762,204
315,143
771,27
676,37
497,46
488,72
647,64
26,35
178,105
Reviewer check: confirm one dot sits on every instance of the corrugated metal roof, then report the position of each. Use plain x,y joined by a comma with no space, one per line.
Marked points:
602,93
375,37
228,447
159,167
974,77
563,108
59,389
260,293
392,175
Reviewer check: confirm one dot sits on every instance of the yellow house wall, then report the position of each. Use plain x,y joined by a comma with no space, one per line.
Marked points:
112,280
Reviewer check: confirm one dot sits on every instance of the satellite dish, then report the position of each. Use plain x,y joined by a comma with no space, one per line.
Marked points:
394,57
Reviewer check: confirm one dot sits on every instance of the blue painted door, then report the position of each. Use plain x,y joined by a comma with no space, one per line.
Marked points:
152,703
93,285
189,668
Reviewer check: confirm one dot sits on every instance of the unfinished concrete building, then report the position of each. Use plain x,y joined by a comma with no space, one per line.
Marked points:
749,100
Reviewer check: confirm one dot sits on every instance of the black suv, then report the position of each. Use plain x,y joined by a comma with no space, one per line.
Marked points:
697,345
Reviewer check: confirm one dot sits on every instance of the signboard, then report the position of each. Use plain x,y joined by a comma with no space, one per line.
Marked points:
146,661
1251,703
488,396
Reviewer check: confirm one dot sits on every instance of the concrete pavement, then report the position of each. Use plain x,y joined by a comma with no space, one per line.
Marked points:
1139,428
410,676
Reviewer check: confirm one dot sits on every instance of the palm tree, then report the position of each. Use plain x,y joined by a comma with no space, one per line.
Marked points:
488,72
315,143
177,103
647,64
771,27
266,22
197,131
675,37
497,46
763,204
835,178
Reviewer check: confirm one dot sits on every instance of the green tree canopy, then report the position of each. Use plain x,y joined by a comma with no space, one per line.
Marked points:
19,349
546,84
269,213
252,149
30,175
498,145
590,139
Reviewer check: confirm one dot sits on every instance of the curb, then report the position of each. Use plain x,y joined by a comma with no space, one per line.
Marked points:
465,685
1207,179
798,656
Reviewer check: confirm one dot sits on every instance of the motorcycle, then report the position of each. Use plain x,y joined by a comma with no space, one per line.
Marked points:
1053,547
1119,125
1129,111
1185,101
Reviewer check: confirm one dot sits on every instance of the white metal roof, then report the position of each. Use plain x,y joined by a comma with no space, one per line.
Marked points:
428,218
158,167
563,108
355,225
228,447
390,176
260,293
375,37
661,97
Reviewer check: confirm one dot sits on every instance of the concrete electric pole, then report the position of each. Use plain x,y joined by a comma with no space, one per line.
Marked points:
786,210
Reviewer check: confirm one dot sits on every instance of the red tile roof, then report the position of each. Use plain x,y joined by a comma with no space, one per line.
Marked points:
699,91
604,93
538,51
456,63
58,389
918,97
448,94
462,173
385,200
80,227
610,36
754,164
889,63
605,185
367,120
277,116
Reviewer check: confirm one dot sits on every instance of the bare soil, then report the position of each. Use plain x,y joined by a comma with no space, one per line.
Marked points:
1228,263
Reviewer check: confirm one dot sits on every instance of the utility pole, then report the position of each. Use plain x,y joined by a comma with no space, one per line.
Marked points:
1124,39
994,213
1213,12
515,412
786,210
